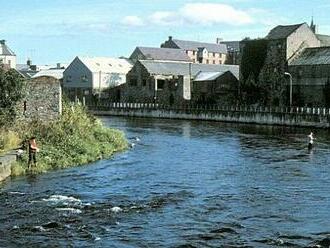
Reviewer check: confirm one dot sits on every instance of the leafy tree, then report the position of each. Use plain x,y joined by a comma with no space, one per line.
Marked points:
11,91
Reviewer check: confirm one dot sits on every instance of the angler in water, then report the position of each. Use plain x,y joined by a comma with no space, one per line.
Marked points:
310,141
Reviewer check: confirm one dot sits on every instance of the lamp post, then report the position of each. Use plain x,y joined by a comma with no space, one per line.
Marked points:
290,76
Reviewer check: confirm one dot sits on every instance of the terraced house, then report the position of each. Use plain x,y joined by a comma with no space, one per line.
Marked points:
199,52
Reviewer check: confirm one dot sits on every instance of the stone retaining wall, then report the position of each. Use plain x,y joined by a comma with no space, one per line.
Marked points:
5,165
312,118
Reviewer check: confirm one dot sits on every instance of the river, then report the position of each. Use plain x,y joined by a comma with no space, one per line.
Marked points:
181,184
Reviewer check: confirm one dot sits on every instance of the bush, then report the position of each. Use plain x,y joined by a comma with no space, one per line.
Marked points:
75,139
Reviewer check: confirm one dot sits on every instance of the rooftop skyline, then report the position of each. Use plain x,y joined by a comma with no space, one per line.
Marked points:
58,30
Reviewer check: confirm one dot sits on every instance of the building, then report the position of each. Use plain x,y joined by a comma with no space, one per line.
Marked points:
30,70
91,77
311,78
167,83
216,88
199,52
7,56
233,52
265,62
159,54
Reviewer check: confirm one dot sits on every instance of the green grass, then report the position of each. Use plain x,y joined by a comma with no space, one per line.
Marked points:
75,139
8,140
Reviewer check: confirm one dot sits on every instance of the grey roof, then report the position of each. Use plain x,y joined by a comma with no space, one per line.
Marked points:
164,54
325,39
180,68
194,45
282,32
4,49
313,56
231,45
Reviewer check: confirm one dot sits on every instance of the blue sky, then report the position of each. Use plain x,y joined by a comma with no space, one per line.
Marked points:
58,30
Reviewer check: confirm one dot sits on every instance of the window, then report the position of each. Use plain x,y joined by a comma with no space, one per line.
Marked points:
144,82
160,84
133,82
213,54
84,78
68,79
1,61
9,62
207,61
194,52
214,62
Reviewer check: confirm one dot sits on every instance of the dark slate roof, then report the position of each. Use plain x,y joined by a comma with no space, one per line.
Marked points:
313,56
181,68
325,39
194,45
171,54
231,45
282,32
4,49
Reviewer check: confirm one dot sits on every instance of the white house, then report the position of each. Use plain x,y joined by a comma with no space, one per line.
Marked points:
91,76
7,56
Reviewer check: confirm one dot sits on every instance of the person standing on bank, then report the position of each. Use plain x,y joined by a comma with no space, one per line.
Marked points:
33,149
310,141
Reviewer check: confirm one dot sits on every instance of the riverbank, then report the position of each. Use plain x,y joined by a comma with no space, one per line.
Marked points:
74,139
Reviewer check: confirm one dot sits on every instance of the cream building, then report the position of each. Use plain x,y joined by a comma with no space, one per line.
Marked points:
199,52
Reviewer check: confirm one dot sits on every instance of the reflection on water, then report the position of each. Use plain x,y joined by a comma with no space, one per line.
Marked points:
182,184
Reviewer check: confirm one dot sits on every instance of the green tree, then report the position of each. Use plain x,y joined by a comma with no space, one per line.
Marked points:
11,91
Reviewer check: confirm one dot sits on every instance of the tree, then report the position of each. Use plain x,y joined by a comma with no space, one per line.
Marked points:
11,91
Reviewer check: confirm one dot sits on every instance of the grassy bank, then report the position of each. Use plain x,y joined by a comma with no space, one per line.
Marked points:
75,139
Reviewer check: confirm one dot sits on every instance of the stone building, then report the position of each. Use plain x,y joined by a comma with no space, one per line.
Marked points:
233,52
265,62
92,77
216,88
160,54
7,56
43,99
199,52
167,83
311,77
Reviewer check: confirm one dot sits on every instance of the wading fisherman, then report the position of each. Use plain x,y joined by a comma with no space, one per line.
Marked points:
310,141
33,149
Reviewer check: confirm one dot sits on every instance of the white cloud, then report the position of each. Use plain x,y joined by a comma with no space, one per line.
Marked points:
164,18
202,14
132,21
212,13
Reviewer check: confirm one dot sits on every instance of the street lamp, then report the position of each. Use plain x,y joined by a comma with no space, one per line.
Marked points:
290,76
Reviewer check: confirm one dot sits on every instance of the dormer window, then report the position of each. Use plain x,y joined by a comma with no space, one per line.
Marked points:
68,79
98,64
110,64
84,78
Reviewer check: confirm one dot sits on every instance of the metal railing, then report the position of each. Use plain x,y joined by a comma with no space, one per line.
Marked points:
210,108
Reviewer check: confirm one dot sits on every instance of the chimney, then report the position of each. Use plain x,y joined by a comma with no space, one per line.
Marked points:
219,40
2,42
58,66
29,62
170,38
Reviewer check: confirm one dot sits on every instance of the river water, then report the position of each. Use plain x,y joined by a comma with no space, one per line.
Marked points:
182,184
